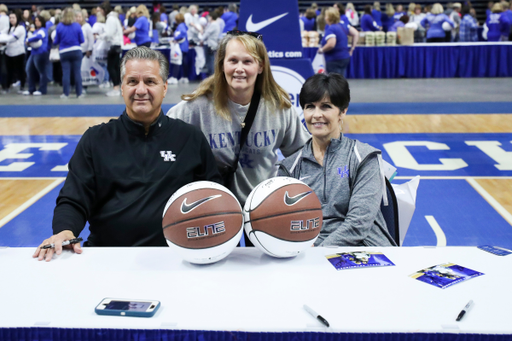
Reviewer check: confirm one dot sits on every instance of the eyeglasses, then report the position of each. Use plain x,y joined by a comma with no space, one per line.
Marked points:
241,33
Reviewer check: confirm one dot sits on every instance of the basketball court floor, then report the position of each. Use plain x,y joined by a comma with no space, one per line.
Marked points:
455,133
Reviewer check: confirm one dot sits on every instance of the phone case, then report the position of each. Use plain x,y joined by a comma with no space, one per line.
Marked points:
115,312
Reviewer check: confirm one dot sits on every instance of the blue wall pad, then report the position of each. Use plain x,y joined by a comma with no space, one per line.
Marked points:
65,110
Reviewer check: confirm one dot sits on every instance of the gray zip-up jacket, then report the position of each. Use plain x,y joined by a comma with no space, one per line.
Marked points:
350,186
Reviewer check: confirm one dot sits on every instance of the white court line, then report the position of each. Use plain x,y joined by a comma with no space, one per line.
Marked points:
489,198
30,201
441,238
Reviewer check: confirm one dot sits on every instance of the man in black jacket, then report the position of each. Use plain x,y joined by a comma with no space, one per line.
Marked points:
123,172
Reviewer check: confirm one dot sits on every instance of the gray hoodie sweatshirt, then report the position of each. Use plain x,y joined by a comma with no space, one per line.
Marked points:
350,187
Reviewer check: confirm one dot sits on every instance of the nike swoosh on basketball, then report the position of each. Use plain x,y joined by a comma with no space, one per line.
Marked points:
255,27
293,200
186,208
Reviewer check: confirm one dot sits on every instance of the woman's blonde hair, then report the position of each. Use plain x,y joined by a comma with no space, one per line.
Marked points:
100,18
376,5
333,15
412,7
350,6
68,16
497,8
142,10
437,8
216,87
390,10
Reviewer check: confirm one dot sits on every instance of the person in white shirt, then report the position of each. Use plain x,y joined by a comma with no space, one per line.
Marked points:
191,17
15,52
114,37
4,19
87,31
210,40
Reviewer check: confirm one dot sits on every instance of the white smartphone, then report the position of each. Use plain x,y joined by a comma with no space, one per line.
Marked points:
127,307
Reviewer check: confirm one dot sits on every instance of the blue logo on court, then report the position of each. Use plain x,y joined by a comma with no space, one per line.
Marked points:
343,172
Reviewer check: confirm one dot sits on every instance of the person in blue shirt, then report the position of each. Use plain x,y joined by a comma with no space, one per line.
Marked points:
36,64
141,27
398,13
164,18
404,19
309,20
69,36
92,18
387,18
435,20
181,37
230,18
367,21
377,14
335,42
468,26
498,24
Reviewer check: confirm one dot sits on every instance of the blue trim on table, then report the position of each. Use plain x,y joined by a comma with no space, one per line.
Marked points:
114,110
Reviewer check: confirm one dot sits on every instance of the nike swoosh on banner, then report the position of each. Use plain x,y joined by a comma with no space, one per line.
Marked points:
186,208
293,200
255,27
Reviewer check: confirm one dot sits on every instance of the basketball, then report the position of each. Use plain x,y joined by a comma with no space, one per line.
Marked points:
283,217
36,44
203,221
446,26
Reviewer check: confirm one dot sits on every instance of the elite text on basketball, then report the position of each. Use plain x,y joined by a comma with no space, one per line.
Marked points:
205,231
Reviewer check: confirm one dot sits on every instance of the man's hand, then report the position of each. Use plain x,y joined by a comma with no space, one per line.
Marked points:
88,54
57,240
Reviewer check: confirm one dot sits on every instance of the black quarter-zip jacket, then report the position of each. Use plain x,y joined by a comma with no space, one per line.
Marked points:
120,179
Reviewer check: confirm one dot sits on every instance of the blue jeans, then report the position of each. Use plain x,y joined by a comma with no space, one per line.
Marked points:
71,62
338,66
36,68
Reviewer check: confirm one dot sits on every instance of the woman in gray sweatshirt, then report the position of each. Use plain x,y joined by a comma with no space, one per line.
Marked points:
344,173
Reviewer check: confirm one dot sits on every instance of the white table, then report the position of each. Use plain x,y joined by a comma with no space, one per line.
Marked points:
252,292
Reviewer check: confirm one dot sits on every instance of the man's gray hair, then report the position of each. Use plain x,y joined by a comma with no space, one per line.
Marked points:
143,52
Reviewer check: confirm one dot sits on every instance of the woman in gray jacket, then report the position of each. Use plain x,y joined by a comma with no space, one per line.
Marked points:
344,173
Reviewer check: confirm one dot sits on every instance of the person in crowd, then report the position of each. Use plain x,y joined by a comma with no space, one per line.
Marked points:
107,185
220,21
15,52
488,10
113,35
172,16
191,17
164,18
404,19
411,9
210,41
309,20
367,21
335,43
120,13
141,27
218,107
69,37
130,19
158,28
351,194
497,24
377,14
4,19
455,16
181,37
419,33
230,18
92,17
205,12
343,13
507,11
27,18
36,63
468,26
88,43
48,18
388,17
435,20
398,13
352,15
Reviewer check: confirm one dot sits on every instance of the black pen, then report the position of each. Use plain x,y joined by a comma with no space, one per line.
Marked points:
316,315
64,243
464,310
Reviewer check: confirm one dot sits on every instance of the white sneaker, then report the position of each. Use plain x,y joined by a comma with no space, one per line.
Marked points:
81,96
172,80
37,93
84,91
26,93
16,84
113,93
63,96
183,80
